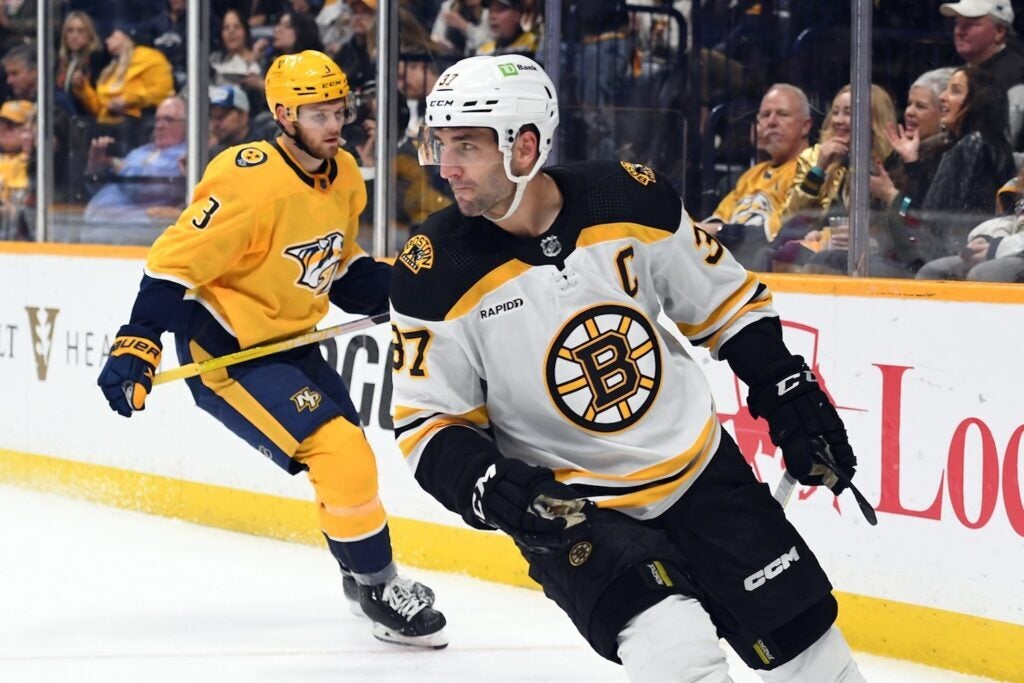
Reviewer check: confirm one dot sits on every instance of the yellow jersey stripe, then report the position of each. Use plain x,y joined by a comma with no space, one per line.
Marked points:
712,341
477,418
655,472
487,284
609,232
652,495
744,291
245,403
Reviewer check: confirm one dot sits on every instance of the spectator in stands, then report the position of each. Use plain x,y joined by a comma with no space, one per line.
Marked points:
920,141
170,32
229,118
235,63
821,187
20,66
416,197
80,53
333,21
461,26
16,143
293,32
749,217
126,212
994,251
504,21
136,79
358,54
974,113
981,35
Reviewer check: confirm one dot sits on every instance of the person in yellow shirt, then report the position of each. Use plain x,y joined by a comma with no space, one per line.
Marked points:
137,78
749,217
15,147
267,244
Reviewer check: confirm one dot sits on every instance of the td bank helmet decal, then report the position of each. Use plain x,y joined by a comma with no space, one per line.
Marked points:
603,369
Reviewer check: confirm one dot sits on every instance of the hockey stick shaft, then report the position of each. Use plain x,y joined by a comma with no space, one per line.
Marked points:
198,368
785,488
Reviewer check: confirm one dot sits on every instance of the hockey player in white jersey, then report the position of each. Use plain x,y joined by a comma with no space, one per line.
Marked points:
535,393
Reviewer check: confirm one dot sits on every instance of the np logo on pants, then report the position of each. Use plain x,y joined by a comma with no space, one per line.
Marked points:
307,399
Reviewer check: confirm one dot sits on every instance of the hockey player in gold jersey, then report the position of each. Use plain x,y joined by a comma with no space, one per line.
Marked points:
267,244
536,392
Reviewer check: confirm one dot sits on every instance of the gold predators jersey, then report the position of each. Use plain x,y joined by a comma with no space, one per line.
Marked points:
548,349
263,240
758,198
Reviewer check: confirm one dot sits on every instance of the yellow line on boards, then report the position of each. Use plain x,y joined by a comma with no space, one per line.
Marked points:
938,638
85,250
877,288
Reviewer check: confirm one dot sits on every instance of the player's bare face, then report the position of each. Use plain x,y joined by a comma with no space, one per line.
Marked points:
473,167
319,127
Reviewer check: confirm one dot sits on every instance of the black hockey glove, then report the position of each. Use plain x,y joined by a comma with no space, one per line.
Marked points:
127,376
805,425
527,503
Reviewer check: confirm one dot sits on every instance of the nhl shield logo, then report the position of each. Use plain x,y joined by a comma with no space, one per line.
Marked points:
550,246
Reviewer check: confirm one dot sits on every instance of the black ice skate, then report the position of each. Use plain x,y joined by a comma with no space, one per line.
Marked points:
401,613
351,589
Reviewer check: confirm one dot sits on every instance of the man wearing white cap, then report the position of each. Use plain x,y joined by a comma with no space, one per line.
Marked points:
980,37
229,118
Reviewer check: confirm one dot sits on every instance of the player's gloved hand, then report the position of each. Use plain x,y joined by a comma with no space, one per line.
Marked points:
127,376
805,425
527,503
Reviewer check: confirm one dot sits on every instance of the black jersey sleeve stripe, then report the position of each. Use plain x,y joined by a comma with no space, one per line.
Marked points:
399,431
701,341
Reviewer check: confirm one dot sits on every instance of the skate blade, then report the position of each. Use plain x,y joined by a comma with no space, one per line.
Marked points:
430,641
356,610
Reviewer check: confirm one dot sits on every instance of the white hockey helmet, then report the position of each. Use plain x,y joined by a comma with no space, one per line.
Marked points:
503,93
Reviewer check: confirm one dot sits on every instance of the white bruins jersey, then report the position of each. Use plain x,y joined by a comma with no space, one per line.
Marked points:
549,350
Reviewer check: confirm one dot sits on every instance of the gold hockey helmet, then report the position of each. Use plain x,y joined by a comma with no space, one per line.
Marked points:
307,77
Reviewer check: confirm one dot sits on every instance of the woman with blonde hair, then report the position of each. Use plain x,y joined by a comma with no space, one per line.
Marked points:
137,78
821,184
820,193
79,51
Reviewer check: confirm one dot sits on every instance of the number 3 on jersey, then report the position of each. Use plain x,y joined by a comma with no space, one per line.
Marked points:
419,341
714,247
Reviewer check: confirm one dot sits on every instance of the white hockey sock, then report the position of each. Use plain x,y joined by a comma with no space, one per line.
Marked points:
828,660
673,642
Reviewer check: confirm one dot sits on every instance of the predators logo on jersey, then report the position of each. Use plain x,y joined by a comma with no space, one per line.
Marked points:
319,260
640,173
418,254
604,368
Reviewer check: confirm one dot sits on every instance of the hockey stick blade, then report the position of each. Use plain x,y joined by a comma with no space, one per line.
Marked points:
198,368
862,502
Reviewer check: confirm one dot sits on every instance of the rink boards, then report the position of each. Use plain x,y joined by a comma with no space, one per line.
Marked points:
927,379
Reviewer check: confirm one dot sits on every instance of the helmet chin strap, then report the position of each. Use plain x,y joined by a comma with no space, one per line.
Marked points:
296,139
521,182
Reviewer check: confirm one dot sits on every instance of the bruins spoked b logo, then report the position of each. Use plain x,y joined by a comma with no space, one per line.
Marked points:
604,368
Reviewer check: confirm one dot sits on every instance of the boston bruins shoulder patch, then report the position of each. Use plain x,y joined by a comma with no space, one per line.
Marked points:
640,173
418,253
250,156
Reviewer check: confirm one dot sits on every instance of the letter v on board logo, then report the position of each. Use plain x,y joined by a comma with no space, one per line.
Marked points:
42,337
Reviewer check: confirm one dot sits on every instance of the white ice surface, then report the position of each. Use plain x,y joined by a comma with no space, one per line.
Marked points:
90,594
